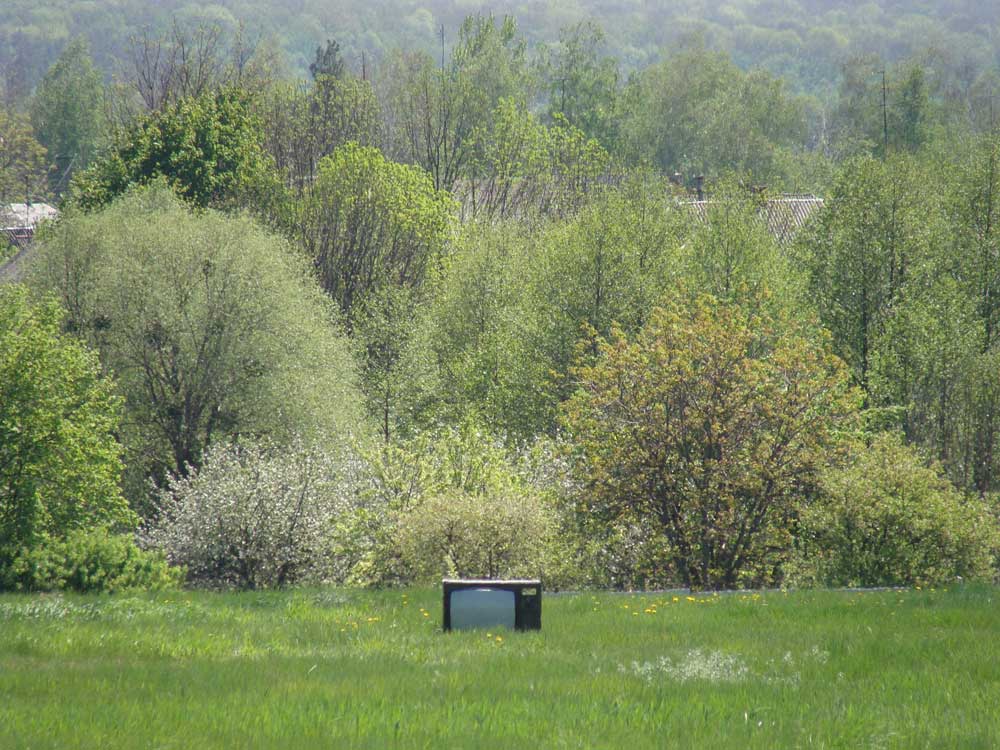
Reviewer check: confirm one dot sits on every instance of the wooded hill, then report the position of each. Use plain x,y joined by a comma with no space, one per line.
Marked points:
803,41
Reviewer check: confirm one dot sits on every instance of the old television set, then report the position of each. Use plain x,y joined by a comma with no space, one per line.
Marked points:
483,603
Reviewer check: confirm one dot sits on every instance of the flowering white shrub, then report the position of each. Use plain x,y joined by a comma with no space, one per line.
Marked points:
256,515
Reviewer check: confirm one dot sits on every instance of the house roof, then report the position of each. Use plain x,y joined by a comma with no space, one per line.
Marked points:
17,226
784,215
20,215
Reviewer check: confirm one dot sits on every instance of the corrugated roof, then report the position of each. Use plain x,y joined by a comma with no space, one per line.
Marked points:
17,226
784,216
20,215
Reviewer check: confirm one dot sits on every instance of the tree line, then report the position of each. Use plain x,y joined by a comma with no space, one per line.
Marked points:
434,104
801,41
376,330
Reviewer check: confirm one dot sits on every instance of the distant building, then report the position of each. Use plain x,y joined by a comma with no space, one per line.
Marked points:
784,215
18,222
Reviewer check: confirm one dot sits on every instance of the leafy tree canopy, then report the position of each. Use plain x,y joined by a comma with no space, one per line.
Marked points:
212,326
712,424
698,113
22,160
208,148
369,221
328,61
59,458
66,111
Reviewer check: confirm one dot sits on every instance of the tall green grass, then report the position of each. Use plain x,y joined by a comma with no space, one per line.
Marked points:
372,669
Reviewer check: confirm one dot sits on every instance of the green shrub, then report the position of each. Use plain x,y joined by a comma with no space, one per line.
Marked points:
93,560
399,478
887,519
490,535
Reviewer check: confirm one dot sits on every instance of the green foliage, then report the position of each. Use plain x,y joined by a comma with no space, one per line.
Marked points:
328,61
582,84
973,206
522,169
473,329
432,114
608,265
873,241
697,113
730,253
301,125
430,489
66,111
508,161
928,366
869,118
887,519
213,327
59,459
369,222
494,535
22,160
214,330
372,228
92,560
397,376
512,301
208,148
712,424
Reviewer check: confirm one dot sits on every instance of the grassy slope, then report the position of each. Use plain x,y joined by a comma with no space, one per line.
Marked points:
359,669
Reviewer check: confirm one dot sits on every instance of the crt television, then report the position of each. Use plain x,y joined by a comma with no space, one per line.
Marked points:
481,603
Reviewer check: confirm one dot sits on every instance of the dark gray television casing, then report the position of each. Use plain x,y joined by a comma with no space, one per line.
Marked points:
527,599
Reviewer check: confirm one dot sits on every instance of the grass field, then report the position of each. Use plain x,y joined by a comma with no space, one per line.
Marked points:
371,669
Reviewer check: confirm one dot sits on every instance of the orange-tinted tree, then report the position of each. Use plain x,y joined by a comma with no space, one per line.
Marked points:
710,425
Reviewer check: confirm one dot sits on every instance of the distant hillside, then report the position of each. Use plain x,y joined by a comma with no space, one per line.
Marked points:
804,41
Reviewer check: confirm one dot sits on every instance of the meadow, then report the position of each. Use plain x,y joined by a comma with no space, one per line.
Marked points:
335,668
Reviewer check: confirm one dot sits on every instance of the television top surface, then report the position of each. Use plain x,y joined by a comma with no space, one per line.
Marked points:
492,582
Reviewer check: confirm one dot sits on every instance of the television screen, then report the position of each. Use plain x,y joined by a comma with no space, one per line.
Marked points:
482,608
482,603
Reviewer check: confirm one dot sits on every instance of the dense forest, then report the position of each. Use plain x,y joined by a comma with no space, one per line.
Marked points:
803,41
617,296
